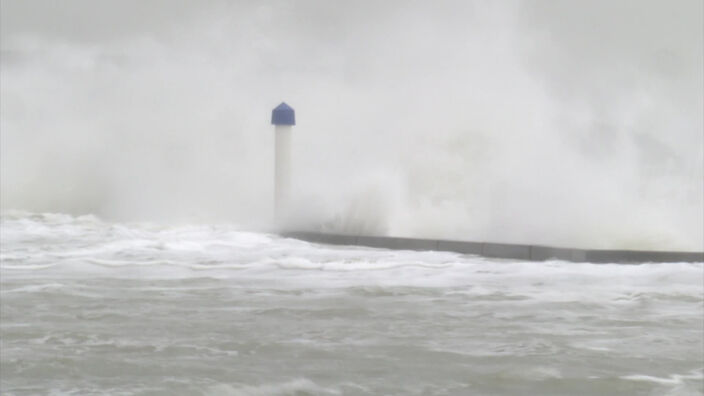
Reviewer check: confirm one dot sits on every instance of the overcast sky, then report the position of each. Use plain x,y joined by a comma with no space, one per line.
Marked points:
428,100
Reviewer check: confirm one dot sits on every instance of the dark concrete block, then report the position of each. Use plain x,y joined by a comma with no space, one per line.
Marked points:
542,253
501,250
315,237
397,243
634,256
413,244
373,241
508,251
461,247
338,239
578,255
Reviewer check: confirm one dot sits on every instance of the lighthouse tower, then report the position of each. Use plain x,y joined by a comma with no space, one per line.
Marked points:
283,117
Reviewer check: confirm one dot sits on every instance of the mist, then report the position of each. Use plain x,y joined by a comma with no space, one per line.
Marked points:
563,123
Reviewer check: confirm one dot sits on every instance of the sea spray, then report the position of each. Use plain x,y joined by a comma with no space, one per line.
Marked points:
513,122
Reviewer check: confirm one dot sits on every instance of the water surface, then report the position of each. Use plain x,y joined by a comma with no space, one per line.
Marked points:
91,307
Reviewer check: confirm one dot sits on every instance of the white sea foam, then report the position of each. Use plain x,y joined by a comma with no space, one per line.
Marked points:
673,379
224,252
88,247
34,288
227,302
290,388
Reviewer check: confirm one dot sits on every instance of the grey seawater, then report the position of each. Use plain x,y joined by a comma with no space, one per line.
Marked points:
90,307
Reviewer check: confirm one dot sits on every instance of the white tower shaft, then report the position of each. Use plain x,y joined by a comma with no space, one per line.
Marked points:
282,171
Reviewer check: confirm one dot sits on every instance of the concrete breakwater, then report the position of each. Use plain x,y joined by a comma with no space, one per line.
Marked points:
501,250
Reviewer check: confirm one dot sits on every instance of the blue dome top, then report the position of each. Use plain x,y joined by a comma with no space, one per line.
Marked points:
283,114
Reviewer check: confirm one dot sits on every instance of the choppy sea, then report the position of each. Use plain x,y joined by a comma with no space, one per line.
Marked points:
93,307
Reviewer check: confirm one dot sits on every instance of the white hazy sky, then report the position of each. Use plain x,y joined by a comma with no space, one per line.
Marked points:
465,119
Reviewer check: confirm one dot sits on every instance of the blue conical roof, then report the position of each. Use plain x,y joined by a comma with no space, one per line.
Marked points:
283,114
